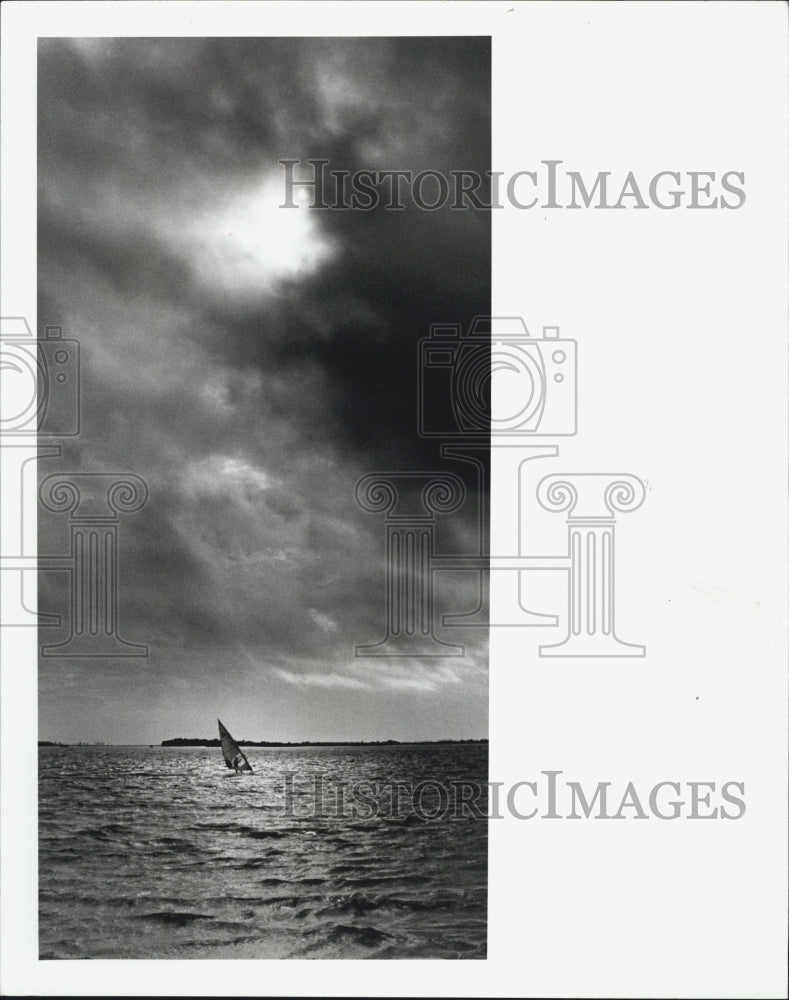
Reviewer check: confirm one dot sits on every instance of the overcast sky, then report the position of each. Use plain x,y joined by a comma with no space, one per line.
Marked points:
251,363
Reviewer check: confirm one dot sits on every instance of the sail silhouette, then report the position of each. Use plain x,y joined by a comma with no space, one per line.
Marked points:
234,756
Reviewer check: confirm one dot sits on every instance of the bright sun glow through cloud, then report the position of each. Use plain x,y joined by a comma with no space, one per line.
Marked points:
247,242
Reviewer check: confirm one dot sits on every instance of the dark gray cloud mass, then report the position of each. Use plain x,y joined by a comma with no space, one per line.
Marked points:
251,363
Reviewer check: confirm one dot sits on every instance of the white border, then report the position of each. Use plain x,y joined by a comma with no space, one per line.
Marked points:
550,927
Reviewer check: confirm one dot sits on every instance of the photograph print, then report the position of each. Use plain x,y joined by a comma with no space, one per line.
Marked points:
263,681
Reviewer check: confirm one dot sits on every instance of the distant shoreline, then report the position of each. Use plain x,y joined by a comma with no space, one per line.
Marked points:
181,741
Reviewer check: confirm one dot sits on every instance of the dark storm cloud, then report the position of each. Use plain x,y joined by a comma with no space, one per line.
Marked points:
252,406
186,112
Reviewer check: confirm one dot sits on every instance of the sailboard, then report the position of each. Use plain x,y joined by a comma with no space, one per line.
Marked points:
234,756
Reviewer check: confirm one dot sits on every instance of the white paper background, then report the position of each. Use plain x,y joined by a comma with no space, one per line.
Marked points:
680,318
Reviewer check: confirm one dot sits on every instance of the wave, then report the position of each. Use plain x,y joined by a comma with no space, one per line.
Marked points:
245,830
359,903
249,864
367,883
177,918
347,934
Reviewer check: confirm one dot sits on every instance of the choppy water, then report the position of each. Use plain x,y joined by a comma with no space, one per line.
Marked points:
163,853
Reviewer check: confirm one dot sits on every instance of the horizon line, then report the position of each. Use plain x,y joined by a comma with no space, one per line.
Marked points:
213,740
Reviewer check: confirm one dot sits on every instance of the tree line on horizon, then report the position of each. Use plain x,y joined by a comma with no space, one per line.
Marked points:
188,741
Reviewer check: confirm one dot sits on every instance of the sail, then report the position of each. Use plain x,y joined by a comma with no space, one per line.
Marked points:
232,752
